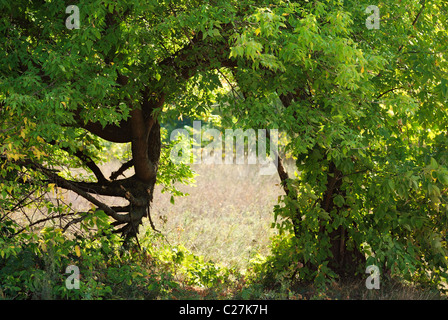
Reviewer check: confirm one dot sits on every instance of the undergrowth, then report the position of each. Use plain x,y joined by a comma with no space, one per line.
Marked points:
33,265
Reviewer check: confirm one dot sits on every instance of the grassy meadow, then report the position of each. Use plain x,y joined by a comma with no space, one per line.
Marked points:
226,217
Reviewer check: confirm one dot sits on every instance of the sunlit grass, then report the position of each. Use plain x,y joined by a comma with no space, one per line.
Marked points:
226,217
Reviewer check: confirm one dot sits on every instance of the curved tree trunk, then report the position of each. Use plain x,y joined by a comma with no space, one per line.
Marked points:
140,194
142,130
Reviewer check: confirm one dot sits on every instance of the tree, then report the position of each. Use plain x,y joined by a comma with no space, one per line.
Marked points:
107,79
363,108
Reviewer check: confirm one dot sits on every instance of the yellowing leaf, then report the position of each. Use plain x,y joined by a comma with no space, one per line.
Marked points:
37,152
77,251
257,31
15,156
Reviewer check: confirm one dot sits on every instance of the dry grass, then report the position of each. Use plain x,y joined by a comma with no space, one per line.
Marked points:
227,215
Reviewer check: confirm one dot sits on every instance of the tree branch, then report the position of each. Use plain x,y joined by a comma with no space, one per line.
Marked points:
86,160
63,183
423,2
125,166
390,90
282,173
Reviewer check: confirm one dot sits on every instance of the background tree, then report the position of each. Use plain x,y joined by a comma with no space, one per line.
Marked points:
362,108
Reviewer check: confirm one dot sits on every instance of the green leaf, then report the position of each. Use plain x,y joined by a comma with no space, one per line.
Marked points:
433,165
339,200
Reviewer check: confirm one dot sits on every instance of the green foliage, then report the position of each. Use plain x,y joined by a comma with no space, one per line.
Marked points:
33,265
192,269
367,110
173,173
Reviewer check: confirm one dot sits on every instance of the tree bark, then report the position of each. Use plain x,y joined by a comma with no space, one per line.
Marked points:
344,262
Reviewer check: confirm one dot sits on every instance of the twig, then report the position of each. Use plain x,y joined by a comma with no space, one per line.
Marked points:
41,221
